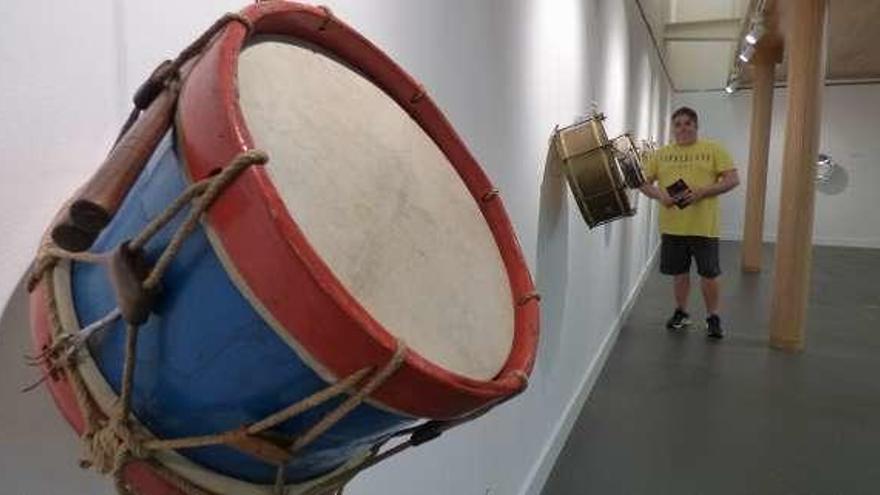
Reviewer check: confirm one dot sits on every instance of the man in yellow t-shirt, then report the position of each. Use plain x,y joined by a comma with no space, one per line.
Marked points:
690,176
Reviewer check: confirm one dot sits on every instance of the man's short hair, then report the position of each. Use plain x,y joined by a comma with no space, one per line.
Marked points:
690,112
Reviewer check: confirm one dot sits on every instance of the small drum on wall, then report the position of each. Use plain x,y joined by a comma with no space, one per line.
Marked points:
629,159
247,321
601,172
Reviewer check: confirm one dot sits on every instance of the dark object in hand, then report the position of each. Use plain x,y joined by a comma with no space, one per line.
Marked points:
677,190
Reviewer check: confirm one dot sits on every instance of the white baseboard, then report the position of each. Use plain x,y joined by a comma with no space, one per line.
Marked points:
547,459
860,242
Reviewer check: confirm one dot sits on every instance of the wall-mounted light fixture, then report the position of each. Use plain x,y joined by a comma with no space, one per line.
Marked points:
825,167
831,178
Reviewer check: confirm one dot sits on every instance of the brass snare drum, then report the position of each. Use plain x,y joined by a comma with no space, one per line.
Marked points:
601,173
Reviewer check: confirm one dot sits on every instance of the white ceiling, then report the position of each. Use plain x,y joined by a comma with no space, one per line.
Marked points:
699,40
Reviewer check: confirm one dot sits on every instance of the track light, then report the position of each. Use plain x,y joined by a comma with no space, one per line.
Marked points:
755,33
731,84
746,54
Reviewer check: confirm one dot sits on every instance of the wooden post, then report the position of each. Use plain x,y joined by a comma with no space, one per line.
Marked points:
762,110
806,73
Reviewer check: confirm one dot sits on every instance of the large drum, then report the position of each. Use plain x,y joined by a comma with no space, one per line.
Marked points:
370,233
601,172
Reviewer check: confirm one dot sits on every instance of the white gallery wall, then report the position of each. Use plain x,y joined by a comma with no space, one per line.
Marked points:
505,72
845,208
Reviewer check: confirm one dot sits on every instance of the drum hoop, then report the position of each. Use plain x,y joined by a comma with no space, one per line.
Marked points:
208,108
596,117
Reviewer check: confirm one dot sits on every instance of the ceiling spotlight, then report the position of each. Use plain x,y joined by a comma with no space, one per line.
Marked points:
731,84
746,54
755,34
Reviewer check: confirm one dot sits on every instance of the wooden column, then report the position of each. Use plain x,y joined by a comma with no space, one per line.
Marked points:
806,69
762,110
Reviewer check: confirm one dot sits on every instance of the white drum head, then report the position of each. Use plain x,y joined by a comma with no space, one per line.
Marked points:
381,204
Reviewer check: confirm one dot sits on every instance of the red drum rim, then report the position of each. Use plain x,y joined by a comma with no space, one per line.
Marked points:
271,259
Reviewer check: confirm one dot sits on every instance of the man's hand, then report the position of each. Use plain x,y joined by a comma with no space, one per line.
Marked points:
691,196
654,192
665,199
727,180
658,193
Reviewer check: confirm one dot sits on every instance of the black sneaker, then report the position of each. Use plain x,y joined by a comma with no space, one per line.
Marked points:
679,320
713,327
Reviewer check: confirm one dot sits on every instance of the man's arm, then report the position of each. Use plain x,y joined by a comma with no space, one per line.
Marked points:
727,181
649,189
654,192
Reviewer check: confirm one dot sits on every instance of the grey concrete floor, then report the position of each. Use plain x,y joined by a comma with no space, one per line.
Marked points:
675,413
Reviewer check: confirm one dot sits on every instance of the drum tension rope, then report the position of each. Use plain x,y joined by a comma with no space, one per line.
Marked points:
112,442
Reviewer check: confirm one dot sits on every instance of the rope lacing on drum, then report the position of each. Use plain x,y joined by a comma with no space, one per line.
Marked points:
111,443
63,347
416,435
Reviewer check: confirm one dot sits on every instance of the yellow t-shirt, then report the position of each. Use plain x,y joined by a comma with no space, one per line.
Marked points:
699,165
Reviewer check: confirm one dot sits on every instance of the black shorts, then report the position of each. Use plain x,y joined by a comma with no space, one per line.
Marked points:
676,252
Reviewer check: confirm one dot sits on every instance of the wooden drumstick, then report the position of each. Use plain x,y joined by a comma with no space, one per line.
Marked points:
100,198
68,236
103,193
